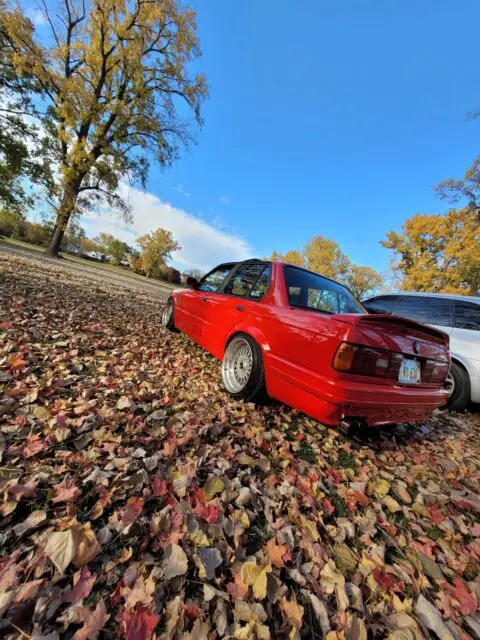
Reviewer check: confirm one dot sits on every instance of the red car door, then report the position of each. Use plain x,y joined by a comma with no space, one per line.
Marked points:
187,313
302,329
237,303
194,303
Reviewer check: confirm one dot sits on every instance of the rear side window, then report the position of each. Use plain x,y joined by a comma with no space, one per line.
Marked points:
467,316
382,304
214,279
245,281
308,290
427,310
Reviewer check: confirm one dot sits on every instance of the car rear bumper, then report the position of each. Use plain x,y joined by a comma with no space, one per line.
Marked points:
332,400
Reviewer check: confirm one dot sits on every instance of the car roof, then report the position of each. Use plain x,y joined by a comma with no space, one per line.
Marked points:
425,294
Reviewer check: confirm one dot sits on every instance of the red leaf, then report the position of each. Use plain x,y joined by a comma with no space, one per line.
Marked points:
159,487
328,506
67,491
436,514
462,599
132,510
83,582
34,445
138,624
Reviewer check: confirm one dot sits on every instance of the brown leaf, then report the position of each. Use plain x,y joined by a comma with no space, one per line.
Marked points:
175,562
87,545
93,622
292,610
275,552
33,520
61,548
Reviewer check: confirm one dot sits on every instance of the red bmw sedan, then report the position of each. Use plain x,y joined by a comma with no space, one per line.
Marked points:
304,340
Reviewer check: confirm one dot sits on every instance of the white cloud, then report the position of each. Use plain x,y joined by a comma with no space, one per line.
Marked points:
181,190
203,245
225,200
36,16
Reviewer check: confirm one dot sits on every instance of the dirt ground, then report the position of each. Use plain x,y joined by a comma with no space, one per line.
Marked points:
138,500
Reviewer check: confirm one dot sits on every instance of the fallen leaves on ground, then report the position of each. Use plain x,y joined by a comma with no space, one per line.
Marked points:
139,500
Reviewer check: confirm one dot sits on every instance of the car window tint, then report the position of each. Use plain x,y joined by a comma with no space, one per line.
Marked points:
311,291
261,286
467,316
382,304
244,279
213,280
427,310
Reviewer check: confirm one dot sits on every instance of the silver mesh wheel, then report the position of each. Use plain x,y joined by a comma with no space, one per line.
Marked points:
237,365
449,384
167,313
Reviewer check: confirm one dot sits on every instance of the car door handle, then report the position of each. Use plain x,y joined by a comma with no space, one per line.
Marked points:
239,307
204,299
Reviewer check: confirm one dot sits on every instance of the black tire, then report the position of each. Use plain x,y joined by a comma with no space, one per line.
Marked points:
168,315
460,396
254,389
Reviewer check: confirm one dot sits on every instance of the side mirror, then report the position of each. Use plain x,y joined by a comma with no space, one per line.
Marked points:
192,282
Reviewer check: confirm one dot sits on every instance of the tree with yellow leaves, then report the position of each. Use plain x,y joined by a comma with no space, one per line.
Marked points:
156,248
439,253
325,256
114,73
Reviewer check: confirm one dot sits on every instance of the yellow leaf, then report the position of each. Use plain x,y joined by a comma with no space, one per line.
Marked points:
199,538
379,487
256,577
213,486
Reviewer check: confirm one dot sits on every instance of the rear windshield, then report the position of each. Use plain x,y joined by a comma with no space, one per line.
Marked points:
308,290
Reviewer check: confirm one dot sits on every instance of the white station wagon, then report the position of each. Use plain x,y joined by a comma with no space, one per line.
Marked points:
459,316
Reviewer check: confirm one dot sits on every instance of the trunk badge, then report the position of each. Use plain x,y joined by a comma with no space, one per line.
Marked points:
416,346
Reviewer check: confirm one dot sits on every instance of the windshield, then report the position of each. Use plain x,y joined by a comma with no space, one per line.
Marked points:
311,291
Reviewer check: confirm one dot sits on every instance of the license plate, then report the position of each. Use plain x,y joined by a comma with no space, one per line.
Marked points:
409,372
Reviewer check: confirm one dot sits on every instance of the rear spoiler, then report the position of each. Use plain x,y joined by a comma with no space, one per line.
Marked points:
385,318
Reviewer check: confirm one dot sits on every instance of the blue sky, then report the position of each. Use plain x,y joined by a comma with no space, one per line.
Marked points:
324,117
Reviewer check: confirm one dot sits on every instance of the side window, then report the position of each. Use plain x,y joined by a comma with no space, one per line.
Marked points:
244,279
467,316
261,286
427,310
213,280
381,304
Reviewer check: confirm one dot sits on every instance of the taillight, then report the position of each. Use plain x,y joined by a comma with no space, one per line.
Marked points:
381,363
364,360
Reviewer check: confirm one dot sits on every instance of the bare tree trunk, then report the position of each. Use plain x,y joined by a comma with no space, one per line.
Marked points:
65,210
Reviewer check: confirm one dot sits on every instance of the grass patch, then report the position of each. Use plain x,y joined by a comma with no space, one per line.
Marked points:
435,533
346,460
307,453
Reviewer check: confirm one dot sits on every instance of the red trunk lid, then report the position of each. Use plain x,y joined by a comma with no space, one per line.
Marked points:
399,334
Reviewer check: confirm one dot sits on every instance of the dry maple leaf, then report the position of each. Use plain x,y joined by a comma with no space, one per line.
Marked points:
275,553
293,611
462,599
83,582
66,491
132,510
93,622
138,624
